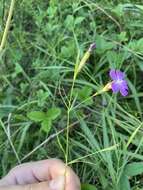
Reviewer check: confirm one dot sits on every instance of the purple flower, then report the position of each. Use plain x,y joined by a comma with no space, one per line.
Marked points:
119,83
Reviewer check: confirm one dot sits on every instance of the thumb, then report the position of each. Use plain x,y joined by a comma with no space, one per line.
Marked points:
55,184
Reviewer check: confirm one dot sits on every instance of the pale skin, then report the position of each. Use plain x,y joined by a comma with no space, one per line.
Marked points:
51,174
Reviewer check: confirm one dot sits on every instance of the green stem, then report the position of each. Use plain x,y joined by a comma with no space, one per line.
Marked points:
96,94
68,113
3,41
67,131
68,121
96,152
67,136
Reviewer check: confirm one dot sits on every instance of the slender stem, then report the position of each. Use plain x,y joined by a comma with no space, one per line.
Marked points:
104,89
77,69
67,129
89,98
96,152
67,136
68,112
71,93
68,121
3,41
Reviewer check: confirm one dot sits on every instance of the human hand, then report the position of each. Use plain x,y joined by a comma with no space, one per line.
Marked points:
41,175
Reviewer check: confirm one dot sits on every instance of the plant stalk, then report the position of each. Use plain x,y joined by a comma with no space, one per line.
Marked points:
5,34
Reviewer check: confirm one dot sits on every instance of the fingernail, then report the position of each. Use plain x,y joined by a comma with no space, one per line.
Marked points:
58,183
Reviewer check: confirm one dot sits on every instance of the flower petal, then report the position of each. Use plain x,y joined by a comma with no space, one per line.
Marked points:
115,87
124,91
113,74
124,84
120,75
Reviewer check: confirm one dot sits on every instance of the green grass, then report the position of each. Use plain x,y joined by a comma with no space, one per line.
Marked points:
45,41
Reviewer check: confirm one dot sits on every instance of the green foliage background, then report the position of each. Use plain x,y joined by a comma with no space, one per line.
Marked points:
36,71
